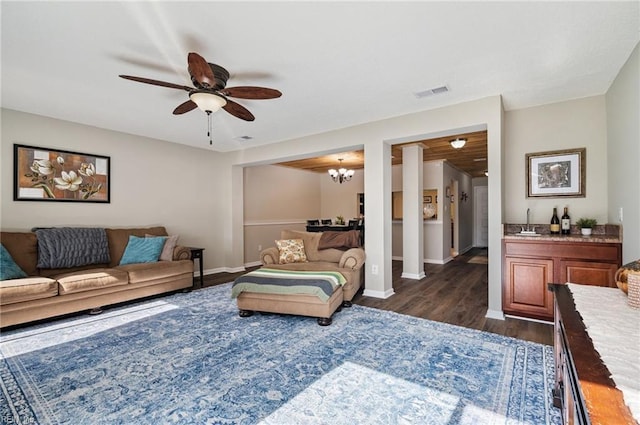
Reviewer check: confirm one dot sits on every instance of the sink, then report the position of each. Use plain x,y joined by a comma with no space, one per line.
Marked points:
527,233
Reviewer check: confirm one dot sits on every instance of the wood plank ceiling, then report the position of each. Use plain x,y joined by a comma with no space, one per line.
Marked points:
472,158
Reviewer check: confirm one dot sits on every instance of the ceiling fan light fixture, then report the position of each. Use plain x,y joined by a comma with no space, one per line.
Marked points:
458,143
207,102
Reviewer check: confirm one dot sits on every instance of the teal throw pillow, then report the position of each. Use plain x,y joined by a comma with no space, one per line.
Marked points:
8,268
142,250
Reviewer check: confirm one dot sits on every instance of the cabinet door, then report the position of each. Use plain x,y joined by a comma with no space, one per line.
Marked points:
525,292
588,272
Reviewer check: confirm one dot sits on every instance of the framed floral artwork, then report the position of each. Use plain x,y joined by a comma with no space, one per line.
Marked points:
556,173
43,174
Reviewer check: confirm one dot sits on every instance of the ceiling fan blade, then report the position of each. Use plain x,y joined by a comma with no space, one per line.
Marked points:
249,92
200,70
187,106
238,110
156,82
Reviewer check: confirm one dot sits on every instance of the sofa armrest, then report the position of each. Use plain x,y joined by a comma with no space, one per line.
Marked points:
181,253
352,259
270,256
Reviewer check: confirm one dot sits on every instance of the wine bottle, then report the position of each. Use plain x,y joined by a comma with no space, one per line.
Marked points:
566,222
555,223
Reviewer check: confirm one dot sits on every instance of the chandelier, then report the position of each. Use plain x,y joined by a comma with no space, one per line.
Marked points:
341,174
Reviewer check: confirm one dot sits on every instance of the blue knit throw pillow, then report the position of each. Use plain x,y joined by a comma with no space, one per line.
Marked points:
8,268
142,250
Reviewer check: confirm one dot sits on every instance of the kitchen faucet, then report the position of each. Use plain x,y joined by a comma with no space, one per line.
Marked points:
530,230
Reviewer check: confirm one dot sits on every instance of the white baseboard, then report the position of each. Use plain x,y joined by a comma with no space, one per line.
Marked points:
413,276
378,294
426,260
220,270
494,314
528,319
253,264
435,261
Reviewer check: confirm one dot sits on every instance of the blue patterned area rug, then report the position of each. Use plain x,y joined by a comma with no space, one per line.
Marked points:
189,359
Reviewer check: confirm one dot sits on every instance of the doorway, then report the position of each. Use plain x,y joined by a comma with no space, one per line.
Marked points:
455,218
481,216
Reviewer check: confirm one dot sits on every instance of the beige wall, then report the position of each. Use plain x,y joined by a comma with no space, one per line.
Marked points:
152,183
276,198
573,124
280,193
340,199
623,154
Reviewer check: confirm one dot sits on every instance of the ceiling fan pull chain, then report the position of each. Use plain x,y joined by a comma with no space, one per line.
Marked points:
209,128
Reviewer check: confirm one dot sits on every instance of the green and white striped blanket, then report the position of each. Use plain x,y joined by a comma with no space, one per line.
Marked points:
274,281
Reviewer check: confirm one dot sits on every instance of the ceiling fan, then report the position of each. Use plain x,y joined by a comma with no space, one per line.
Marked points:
210,92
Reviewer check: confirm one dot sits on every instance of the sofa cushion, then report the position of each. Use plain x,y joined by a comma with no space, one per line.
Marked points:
142,250
8,268
27,289
23,247
143,272
88,280
291,251
119,238
169,245
311,240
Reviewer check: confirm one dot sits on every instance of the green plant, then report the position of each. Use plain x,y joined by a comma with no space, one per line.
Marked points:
586,223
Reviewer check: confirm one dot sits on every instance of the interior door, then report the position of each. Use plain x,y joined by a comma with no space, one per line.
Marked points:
481,215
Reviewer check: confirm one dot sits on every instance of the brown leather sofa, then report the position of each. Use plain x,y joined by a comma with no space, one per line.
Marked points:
48,293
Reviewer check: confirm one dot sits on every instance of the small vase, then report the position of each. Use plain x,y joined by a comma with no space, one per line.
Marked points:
586,231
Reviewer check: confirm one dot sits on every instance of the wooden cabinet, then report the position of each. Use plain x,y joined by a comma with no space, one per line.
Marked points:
529,265
525,290
588,272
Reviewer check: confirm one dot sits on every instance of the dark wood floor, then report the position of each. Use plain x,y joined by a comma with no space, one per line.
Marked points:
454,293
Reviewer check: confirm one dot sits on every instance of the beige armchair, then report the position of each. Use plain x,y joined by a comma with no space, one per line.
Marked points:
349,263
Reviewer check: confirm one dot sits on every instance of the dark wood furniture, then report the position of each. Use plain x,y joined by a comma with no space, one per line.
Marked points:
353,225
529,265
583,390
196,254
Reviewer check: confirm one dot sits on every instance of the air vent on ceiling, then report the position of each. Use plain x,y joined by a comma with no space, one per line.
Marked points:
431,92
241,138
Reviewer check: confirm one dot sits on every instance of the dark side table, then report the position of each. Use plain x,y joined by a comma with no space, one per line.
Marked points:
196,254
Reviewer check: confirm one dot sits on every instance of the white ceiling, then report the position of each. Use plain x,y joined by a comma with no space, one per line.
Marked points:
337,64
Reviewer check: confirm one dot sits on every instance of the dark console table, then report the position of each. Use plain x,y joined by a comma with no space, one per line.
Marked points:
332,227
584,389
337,228
196,254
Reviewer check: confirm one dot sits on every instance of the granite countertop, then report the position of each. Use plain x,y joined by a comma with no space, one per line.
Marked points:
605,233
